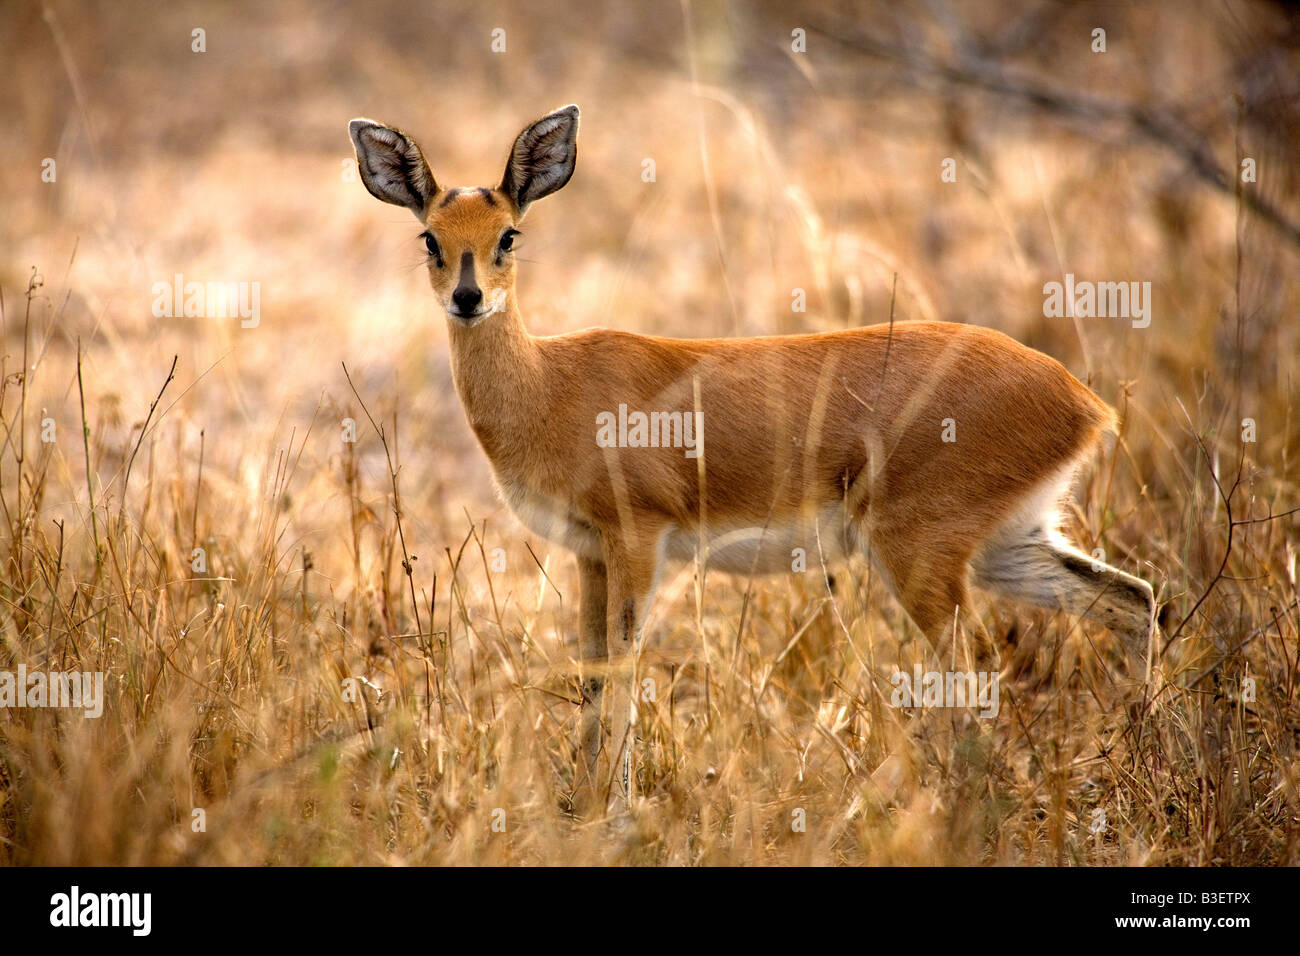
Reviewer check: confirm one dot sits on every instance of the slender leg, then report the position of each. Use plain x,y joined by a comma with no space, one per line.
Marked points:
631,575
1042,568
929,581
591,646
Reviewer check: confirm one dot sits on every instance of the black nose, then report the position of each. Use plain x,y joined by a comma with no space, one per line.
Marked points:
467,298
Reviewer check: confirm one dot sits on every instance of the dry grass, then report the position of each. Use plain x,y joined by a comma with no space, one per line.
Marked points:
225,686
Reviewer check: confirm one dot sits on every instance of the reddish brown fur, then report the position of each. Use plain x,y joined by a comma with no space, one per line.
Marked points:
847,423
789,422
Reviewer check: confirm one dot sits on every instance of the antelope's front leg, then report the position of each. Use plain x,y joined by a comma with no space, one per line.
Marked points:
631,574
591,647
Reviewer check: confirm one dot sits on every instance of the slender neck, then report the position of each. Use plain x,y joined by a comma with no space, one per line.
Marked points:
496,366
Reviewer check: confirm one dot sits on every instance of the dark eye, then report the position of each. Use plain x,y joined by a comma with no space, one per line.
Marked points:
507,240
431,244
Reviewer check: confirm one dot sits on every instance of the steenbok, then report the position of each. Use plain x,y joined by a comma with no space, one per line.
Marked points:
941,451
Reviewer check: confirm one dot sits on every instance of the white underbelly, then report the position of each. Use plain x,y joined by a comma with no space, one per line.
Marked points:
778,548
796,544
552,520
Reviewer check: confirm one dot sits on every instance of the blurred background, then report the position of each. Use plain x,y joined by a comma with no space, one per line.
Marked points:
774,170
730,154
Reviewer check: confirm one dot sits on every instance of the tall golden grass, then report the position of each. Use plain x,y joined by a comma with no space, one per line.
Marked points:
774,170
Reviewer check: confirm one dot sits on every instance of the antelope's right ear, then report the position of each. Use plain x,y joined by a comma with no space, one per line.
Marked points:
392,166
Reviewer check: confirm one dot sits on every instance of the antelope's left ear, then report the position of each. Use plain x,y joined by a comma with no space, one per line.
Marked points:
543,158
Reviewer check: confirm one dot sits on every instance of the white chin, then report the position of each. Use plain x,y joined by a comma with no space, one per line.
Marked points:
467,321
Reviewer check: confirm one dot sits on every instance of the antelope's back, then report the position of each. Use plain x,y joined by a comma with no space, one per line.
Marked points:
977,424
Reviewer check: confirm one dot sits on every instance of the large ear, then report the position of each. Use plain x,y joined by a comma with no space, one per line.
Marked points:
543,158
392,166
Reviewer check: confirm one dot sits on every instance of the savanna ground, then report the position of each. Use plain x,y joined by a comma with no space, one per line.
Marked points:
774,170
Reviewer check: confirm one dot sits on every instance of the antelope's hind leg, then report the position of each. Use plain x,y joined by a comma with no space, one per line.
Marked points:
1037,565
929,580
